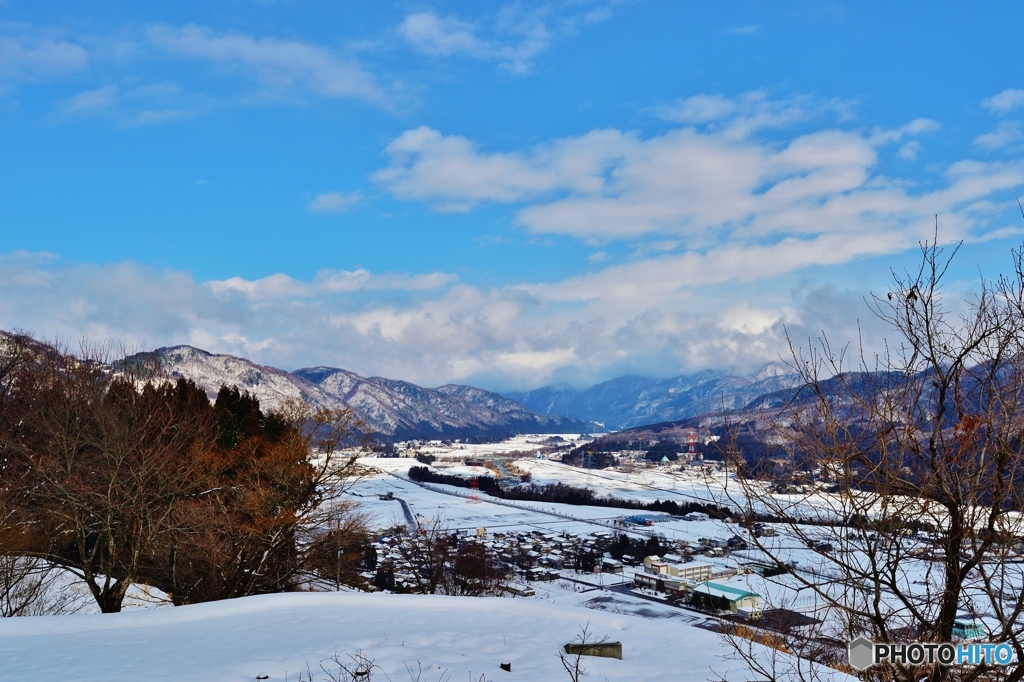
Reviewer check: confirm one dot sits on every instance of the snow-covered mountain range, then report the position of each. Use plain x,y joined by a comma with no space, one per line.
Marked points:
631,401
390,408
398,409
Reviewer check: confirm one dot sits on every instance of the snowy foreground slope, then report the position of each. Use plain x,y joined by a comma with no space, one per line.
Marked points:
277,635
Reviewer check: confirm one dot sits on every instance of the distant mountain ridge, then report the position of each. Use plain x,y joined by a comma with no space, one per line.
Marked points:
397,410
630,401
391,408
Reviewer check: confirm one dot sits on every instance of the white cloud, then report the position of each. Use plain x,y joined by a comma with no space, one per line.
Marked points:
657,281
443,35
1005,101
1005,133
334,202
910,150
739,117
699,188
745,29
436,330
35,56
699,109
447,36
921,125
92,100
451,172
280,286
280,66
513,38
445,332
148,104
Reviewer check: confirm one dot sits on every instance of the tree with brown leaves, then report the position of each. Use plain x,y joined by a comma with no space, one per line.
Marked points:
121,476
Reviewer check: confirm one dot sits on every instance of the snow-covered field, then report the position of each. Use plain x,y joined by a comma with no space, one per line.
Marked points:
465,513
523,443
707,483
278,635
461,512
646,485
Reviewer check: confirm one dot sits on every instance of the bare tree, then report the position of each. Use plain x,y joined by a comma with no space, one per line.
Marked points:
922,447
580,647
444,563
426,549
357,668
339,550
16,350
24,586
25,581
474,571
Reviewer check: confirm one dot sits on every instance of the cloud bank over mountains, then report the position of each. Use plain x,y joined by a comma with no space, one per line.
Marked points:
426,329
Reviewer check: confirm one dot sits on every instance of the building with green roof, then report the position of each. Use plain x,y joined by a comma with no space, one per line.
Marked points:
719,597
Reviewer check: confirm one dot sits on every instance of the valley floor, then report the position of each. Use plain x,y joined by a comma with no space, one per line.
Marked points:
451,638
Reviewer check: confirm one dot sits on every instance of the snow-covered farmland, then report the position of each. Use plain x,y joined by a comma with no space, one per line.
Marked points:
784,591
278,635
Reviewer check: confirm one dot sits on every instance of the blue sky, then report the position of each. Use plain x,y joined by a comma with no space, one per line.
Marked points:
505,194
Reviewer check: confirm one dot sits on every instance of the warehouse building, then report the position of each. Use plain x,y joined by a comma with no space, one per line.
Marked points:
718,597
